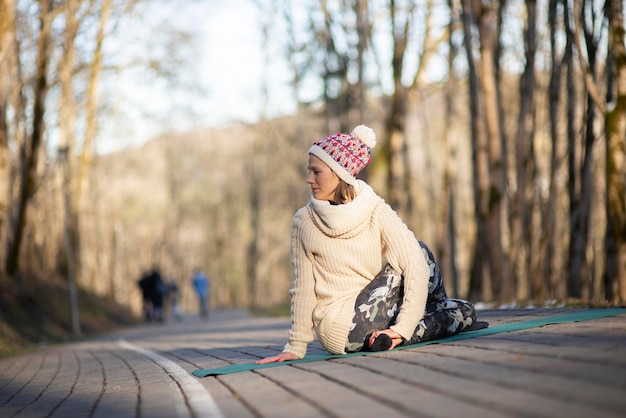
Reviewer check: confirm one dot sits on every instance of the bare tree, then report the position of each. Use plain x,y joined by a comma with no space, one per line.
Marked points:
548,206
91,104
581,152
395,145
479,284
364,29
522,205
447,236
498,262
7,57
94,69
487,159
336,93
615,128
29,151
67,130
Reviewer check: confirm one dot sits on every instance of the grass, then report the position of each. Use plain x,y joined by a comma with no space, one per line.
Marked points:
39,314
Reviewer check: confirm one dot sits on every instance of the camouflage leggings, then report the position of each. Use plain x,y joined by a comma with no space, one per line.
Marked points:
378,304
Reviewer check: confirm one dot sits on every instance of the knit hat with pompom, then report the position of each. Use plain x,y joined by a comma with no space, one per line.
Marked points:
346,154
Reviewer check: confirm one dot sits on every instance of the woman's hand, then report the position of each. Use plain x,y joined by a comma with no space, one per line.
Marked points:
395,337
277,359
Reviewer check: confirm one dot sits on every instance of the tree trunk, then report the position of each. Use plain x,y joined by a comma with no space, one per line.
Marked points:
361,12
480,276
396,144
7,36
447,236
255,170
548,209
335,77
95,67
521,205
586,173
82,179
396,119
494,195
581,178
67,141
29,152
574,288
615,128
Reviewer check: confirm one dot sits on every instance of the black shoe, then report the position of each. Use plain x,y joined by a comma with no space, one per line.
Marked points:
477,325
381,343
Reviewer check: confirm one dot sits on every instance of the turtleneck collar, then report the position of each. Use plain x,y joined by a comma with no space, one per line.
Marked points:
347,219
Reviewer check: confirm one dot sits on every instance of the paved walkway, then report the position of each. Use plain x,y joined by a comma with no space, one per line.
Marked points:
564,370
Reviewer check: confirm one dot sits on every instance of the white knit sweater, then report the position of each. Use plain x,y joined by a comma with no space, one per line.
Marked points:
336,250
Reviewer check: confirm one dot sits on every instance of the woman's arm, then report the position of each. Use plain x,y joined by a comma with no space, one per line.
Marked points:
303,299
403,252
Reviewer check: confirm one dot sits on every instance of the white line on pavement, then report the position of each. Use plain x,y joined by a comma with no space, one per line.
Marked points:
200,400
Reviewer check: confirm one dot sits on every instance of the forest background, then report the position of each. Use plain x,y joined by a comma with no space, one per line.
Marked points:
501,142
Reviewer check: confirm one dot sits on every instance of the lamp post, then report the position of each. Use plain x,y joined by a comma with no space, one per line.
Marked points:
63,155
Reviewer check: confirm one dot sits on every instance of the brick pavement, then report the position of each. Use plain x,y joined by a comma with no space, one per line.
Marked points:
572,369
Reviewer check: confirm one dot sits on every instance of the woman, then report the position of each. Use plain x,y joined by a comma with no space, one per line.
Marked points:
339,242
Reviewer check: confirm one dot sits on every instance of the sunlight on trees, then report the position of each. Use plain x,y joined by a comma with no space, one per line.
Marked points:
502,129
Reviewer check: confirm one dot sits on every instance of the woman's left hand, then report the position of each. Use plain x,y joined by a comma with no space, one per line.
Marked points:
278,358
395,337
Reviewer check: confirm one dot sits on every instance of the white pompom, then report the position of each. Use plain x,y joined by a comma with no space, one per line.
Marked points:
366,135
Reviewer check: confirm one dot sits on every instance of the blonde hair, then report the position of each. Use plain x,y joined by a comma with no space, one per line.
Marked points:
344,192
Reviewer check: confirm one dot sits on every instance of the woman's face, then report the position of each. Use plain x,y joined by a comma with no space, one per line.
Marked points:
322,179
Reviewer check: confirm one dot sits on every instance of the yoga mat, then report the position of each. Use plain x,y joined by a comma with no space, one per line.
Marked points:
582,315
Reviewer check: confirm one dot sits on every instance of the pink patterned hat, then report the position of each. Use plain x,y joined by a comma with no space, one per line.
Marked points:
346,154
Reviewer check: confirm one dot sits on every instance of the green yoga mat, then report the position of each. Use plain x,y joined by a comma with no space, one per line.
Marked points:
582,315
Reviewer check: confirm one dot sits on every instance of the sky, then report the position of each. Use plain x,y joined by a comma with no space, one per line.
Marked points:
221,73
219,80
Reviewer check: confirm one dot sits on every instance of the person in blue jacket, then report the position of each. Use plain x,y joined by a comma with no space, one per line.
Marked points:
201,286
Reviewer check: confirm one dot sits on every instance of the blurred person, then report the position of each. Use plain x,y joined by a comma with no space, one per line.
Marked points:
157,291
173,298
146,295
201,286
